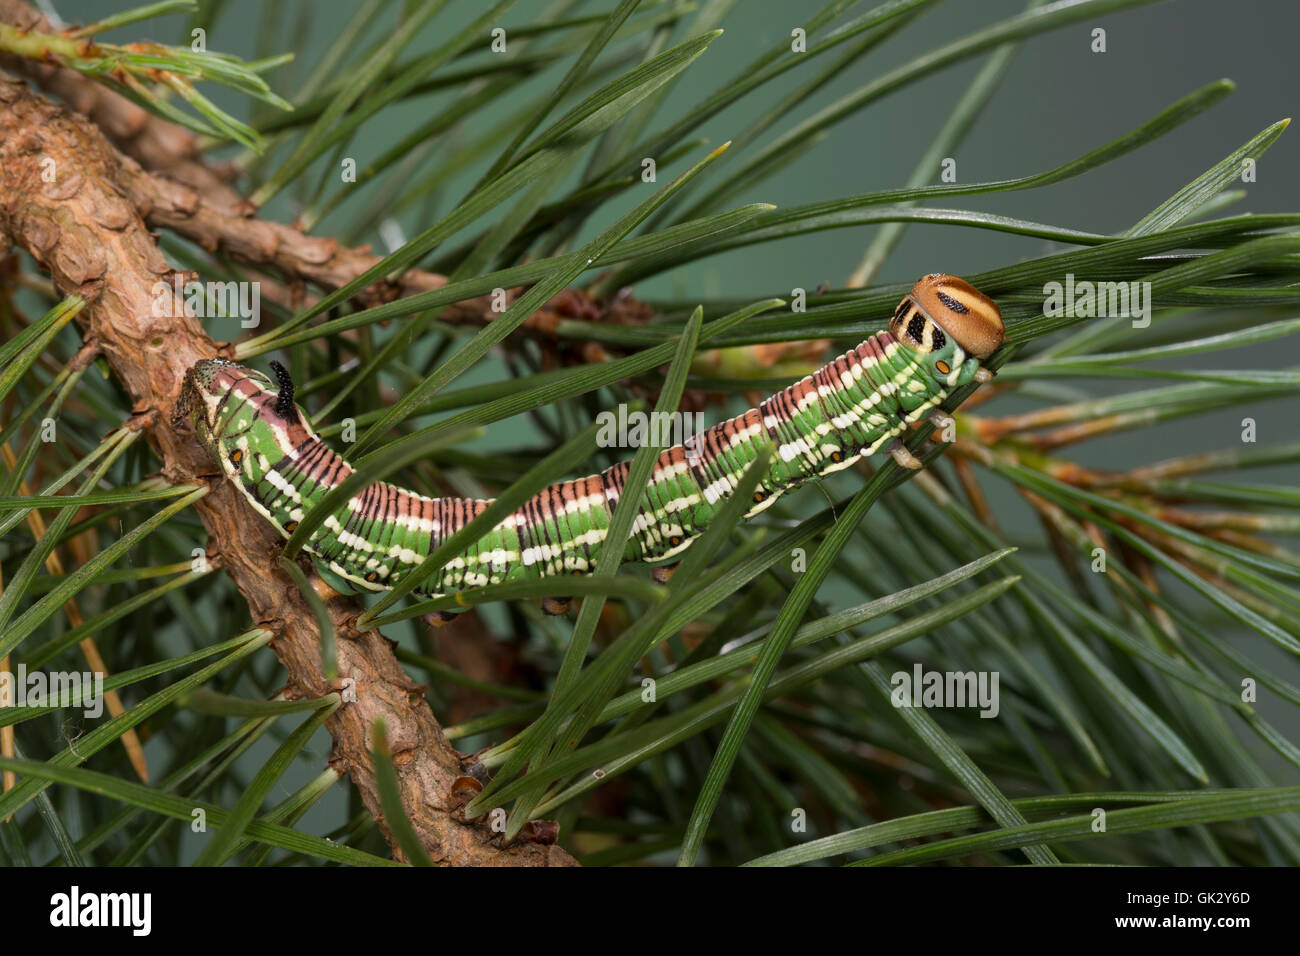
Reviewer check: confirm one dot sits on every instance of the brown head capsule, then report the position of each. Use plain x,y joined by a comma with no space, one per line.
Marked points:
957,308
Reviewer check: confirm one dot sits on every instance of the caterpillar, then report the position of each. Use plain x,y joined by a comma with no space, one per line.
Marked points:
858,404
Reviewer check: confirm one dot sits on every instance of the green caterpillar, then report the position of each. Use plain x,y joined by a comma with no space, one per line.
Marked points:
854,406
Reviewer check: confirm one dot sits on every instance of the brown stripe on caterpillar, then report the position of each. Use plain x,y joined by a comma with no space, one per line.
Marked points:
316,462
695,461
328,469
725,438
594,489
536,528
615,478
356,522
568,494
769,409
711,457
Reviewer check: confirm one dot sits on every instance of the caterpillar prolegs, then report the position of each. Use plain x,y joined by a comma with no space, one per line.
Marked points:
858,404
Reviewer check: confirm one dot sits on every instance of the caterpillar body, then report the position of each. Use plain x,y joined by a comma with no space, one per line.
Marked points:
856,405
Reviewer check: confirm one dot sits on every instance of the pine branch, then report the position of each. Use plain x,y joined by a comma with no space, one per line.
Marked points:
93,242
152,141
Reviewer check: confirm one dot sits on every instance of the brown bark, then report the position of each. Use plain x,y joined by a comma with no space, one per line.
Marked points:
152,141
85,231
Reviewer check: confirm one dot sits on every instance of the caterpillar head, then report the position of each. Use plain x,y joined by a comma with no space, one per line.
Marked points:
947,322
200,385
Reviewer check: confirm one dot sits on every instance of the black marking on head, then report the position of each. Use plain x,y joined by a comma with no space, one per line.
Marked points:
916,329
951,303
937,339
902,308
284,406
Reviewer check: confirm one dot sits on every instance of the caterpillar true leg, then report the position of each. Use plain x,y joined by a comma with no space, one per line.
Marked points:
857,404
662,573
904,457
555,606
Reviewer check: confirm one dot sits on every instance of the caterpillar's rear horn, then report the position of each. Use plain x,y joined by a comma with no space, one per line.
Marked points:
284,406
